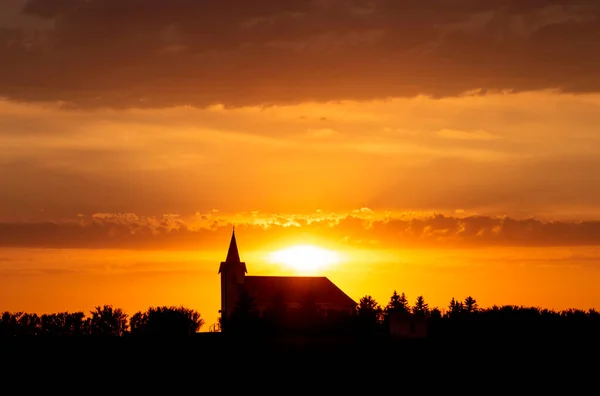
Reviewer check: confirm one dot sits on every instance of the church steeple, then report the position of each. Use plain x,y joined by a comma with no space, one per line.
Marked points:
233,256
233,272
232,263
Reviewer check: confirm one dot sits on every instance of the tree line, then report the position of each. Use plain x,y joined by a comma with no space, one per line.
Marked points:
369,308
103,321
466,318
460,318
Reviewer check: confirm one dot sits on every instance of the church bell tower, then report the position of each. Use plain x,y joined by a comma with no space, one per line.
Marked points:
232,272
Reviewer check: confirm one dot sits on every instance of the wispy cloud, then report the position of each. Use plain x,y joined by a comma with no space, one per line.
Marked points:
385,155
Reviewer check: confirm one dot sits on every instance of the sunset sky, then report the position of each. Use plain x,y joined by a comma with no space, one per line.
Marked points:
440,148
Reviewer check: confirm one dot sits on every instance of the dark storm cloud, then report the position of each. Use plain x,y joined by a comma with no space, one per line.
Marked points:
133,53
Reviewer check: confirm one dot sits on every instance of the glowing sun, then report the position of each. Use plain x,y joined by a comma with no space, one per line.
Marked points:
305,258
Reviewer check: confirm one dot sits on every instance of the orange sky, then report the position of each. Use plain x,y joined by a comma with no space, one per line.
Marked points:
77,279
444,149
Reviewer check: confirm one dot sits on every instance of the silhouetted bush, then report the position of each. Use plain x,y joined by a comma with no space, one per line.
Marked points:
166,321
63,324
108,321
56,324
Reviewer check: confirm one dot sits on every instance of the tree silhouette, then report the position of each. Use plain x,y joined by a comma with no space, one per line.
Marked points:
9,325
435,313
55,324
174,321
52,324
75,323
369,308
470,305
398,303
421,308
455,308
63,324
108,321
138,323
30,324
166,321
369,314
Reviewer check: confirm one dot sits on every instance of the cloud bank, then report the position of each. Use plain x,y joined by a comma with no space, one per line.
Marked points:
360,228
155,53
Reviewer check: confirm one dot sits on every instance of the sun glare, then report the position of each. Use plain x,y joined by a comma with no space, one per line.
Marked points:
305,258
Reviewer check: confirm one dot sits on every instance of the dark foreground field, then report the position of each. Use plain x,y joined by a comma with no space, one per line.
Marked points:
208,362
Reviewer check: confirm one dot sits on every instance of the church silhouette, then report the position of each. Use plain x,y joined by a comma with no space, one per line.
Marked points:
281,294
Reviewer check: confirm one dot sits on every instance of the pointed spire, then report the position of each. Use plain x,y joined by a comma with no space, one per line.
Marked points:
233,255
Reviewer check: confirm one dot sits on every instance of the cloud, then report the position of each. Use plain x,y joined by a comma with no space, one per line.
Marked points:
119,53
21,272
358,228
535,184
386,155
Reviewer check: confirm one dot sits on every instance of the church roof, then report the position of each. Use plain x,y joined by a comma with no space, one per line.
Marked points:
233,256
296,289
